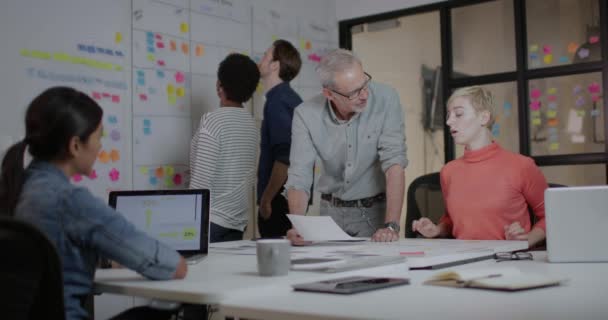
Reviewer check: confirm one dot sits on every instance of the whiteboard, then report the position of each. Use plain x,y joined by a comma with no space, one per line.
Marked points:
152,66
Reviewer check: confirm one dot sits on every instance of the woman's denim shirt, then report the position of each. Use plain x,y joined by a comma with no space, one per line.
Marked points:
82,228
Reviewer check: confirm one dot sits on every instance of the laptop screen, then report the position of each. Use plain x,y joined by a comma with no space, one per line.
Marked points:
178,218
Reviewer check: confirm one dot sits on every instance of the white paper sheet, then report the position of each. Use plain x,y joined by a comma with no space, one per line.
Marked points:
319,228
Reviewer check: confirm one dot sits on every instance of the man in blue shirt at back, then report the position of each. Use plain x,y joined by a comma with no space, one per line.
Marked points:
280,64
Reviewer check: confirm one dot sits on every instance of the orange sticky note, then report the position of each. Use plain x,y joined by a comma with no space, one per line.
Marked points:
103,157
173,45
552,122
200,50
183,27
185,48
114,155
159,172
572,47
308,45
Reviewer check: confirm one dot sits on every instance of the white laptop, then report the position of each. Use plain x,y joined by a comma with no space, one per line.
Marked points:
179,218
577,224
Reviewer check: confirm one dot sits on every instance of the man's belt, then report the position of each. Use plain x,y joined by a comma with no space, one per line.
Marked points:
364,202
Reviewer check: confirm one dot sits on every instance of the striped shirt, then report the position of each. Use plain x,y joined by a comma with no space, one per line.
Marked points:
223,155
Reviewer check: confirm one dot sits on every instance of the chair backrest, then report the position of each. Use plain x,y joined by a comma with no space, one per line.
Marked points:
31,282
424,199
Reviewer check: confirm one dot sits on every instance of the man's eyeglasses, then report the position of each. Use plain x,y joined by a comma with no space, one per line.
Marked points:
356,93
508,256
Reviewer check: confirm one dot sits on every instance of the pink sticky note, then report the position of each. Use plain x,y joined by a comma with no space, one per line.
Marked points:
96,95
594,39
179,77
143,97
535,105
552,98
93,175
160,44
161,63
595,98
77,178
105,95
547,49
158,36
114,174
594,88
535,93
314,57
177,179
116,98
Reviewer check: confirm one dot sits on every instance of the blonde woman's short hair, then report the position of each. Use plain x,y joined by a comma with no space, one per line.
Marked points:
481,100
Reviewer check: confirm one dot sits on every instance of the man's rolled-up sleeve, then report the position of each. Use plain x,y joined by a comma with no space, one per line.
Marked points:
302,156
391,145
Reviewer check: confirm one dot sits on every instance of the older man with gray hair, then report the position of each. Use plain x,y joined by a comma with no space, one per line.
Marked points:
355,127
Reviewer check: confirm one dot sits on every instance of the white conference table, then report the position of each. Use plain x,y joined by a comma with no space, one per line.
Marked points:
584,296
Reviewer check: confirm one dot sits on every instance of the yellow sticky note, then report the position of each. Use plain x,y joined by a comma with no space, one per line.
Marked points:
144,170
302,44
554,146
551,114
548,58
274,37
169,170
170,90
189,233
535,114
118,37
580,113
536,121
183,27
150,57
180,92
172,100
533,47
552,91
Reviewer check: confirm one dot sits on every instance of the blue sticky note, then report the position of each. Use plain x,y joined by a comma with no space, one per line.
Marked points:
147,123
109,52
150,35
160,73
151,49
552,105
82,47
147,131
563,59
533,56
112,119
507,106
140,73
552,130
153,180
118,53
91,49
150,42
141,81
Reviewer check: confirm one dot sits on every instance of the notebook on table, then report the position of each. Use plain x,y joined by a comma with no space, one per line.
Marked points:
178,218
496,278
577,220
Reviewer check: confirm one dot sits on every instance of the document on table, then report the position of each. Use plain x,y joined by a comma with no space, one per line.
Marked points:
319,228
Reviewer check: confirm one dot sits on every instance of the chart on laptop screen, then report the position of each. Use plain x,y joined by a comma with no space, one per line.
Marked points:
172,219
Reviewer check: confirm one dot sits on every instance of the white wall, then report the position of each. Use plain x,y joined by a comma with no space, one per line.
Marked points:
348,9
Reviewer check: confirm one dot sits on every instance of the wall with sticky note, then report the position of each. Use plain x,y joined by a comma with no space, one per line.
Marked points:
60,43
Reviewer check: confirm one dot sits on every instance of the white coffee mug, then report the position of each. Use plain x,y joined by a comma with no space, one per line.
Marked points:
274,257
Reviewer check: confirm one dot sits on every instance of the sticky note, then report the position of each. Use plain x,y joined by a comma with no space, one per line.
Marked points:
302,44
580,113
160,73
158,36
535,93
169,170
274,37
308,45
115,135
160,45
77,178
551,114
583,53
535,105
572,47
171,100
536,121
115,155
118,37
577,138
595,98
143,97
172,45
183,27
547,49
150,57
143,170
553,122
563,59
170,90
112,119
103,157
594,87
554,146
595,113
594,39
200,50
180,92
577,89
161,63
552,90
552,98
548,58
535,114
177,179
153,180
115,98
159,173
147,123
114,175
189,233
96,95
185,48
179,77
533,48
147,131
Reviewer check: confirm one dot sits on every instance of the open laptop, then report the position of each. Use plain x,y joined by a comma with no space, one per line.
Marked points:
178,218
577,220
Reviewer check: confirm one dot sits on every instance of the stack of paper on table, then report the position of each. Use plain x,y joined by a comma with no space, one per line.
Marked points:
500,278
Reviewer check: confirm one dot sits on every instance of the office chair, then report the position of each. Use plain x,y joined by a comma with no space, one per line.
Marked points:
31,283
424,199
